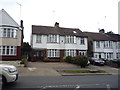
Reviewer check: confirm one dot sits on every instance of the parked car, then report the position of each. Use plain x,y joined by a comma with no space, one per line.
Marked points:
9,73
96,61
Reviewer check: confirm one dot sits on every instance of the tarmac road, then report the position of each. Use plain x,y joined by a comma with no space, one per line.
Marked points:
69,82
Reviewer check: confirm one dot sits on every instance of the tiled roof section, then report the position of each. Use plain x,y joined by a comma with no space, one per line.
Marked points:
46,30
99,36
115,36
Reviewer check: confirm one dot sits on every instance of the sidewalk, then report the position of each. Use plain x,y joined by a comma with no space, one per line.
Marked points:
49,68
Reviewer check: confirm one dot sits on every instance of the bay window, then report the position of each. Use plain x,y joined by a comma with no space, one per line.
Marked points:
8,50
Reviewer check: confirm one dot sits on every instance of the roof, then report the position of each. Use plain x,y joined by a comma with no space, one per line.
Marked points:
99,36
115,36
6,19
46,30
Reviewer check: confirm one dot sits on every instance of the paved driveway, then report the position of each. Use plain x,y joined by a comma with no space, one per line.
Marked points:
49,68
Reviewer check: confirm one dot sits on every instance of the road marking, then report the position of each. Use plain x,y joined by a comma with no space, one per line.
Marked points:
32,69
108,87
76,87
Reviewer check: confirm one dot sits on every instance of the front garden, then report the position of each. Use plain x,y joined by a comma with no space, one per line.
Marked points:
78,60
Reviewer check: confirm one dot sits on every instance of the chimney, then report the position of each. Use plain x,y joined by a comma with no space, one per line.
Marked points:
21,24
101,31
56,24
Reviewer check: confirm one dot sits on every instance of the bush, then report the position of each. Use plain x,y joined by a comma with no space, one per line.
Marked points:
63,59
82,61
68,59
46,59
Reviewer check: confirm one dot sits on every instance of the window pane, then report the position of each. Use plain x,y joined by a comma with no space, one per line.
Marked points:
8,32
4,32
3,52
7,50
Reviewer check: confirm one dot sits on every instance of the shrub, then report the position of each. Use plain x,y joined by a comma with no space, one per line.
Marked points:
46,59
68,59
74,60
82,61
63,59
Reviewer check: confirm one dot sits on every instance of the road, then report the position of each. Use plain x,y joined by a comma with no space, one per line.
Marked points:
69,82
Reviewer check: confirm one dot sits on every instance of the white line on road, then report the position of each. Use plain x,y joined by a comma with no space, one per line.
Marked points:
108,87
32,69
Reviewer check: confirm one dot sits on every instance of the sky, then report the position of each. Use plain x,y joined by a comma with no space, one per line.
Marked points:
87,15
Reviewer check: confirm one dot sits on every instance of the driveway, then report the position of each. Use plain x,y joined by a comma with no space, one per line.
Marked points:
49,68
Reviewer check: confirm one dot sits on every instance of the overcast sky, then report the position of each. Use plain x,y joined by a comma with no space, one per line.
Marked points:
87,15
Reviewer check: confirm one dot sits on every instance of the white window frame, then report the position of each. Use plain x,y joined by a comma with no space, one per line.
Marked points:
97,44
53,53
38,38
6,50
70,52
82,41
53,38
8,32
70,39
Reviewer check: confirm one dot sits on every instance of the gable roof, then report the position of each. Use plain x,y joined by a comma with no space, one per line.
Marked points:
115,36
46,30
99,36
6,19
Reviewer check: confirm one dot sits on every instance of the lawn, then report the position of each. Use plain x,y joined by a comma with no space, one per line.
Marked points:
82,71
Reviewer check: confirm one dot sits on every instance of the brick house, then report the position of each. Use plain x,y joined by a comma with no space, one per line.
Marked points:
56,42
11,37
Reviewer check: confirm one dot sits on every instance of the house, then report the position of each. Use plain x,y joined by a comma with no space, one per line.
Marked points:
11,37
103,45
56,42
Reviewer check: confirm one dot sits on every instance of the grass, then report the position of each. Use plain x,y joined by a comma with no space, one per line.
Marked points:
82,71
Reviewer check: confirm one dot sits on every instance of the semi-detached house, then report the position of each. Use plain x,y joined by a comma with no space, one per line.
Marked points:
103,45
56,42
11,37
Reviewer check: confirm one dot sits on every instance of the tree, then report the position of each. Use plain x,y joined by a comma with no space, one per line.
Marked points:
26,49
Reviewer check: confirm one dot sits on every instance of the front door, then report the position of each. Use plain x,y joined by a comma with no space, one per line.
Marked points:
38,55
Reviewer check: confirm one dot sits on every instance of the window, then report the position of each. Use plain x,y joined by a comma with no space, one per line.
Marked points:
70,39
15,33
108,44
97,44
82,41
82,53
11,50
7,32
53,38
12,33
8,50
108,56
4,32
70,53
0,50
117,55
53,53
118,45
3,51
38,38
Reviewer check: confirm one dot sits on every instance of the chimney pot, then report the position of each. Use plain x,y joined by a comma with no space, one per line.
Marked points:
56,24
102,31
21,23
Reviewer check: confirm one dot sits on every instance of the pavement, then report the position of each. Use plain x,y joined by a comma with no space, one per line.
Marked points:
49,68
